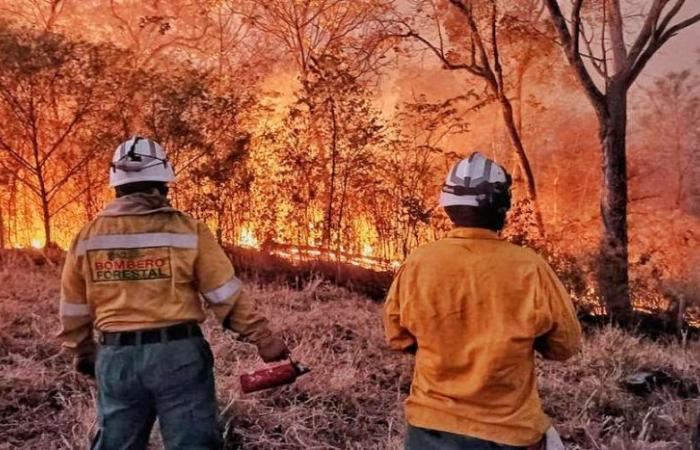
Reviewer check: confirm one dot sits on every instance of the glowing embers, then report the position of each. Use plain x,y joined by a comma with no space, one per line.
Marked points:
308,253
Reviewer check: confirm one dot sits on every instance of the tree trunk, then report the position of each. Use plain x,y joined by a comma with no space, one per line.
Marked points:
2,230
219,225
523,161
47,221
45,207
328,232
341,210
613,277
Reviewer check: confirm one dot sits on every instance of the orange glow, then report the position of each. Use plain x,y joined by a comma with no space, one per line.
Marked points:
304,159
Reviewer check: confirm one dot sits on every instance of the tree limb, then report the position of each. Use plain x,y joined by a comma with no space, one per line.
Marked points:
439,52
617,37
571,50
647,30
655,44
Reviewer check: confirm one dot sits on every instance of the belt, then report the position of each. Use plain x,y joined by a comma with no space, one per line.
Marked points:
153,336
538,446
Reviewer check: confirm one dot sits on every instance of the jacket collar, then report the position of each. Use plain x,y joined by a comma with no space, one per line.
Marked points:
472,233
137,205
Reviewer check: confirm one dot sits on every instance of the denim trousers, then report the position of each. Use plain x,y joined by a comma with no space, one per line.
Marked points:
171,381
424,439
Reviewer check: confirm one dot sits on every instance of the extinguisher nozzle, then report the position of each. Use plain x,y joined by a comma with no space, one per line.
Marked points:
301,369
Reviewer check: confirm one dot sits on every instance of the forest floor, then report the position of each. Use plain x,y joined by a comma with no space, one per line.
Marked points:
352,399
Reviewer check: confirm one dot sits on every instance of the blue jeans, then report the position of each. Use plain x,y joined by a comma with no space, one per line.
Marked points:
424,439
172,381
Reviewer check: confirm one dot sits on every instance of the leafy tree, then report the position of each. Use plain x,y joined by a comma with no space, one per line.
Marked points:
50,89
414,164
327,149
220,182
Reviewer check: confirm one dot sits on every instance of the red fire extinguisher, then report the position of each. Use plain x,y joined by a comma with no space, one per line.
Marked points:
270,377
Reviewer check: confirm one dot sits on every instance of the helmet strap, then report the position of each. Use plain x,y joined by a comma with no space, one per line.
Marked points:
136,157
133,156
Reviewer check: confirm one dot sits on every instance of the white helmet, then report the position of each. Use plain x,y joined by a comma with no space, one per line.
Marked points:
477,181
140,159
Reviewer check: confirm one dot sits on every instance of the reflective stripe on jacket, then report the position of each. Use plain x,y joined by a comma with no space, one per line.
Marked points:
474,305
142,264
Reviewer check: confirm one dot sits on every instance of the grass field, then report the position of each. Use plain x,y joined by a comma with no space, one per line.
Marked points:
351,400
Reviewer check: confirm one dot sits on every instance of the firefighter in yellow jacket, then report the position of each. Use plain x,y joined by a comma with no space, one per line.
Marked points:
474,309
137,274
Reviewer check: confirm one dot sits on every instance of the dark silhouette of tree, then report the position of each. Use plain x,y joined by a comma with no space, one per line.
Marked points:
50,89
617,66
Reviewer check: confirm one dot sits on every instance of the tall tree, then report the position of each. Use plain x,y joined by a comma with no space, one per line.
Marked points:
311,29
325,150
479,53
616,67
49,90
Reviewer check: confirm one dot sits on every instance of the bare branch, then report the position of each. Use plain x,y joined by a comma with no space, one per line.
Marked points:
494,48
655,44
646,32
571,50
671,14
75,168
17,156
617,37
484,66
76,120
680,26
98,182
599,64
24,181
440,53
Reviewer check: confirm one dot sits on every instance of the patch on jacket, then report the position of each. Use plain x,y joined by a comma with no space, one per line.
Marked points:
132,264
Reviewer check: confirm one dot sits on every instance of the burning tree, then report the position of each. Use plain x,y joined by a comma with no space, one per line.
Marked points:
469,38
330,136
50,89
606,78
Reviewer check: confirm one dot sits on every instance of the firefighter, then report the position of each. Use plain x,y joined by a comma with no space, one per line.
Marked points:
473,309
136,274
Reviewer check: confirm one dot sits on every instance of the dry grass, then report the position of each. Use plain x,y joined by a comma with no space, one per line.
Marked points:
351,400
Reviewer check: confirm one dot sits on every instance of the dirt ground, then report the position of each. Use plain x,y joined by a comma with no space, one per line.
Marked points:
351,400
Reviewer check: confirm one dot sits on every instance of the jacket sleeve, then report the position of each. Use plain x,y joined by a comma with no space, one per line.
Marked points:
223,291
561,338
75,313
398,337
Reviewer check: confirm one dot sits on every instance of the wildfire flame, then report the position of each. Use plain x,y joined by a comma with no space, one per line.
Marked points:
37,243
248,239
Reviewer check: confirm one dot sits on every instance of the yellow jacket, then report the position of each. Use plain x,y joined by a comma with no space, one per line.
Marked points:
142,264
474,306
